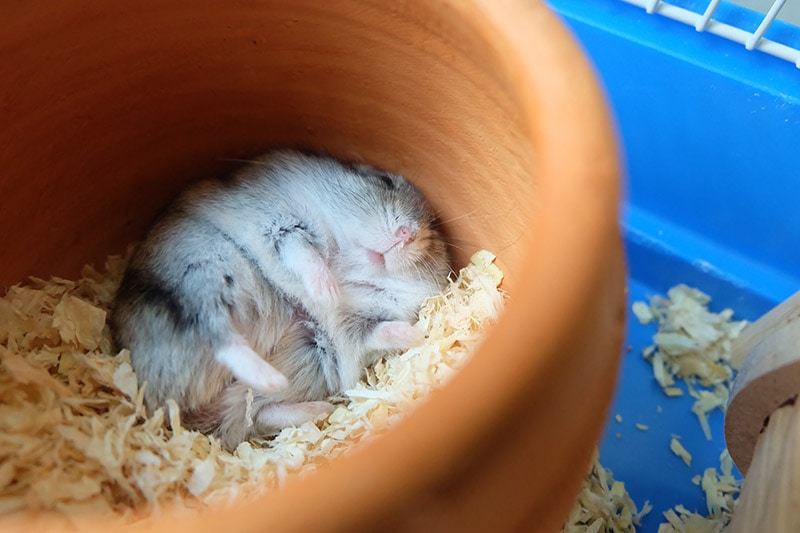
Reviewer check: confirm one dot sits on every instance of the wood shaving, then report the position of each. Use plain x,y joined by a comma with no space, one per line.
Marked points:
681,520
692,344
721,490
604,505
75,436
678,449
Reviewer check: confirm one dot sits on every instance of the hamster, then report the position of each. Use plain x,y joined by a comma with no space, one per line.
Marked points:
287,279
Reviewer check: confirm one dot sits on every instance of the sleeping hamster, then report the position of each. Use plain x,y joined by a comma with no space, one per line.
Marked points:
287,279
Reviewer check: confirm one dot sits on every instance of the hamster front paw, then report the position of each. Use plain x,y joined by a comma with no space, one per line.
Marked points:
321,284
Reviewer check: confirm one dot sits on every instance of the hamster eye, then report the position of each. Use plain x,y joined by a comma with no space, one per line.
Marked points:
387,180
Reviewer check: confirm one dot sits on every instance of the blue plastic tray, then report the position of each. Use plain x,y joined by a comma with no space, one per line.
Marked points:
711,140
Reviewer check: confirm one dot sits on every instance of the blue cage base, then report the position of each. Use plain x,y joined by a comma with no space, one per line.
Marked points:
710,132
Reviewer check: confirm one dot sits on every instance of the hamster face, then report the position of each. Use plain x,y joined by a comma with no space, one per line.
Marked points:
397,234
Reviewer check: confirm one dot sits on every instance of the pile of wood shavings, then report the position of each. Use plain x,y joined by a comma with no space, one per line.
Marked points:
721,490
75,437
604,505
694,344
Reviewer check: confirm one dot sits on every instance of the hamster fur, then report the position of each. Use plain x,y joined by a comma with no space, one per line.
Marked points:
287,279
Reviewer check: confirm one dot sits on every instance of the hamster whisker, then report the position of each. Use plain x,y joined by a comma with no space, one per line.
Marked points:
238,160
459,217
484,216
457,247
434,271
466,245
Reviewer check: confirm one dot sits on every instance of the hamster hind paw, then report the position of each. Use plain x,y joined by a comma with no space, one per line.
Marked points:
395,335
249,368
292,414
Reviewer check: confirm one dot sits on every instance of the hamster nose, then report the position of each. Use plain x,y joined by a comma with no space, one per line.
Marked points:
405,234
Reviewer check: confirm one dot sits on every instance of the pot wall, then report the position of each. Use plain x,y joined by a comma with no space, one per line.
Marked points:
110,108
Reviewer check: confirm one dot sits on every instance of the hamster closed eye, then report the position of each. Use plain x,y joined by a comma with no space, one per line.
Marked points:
287,279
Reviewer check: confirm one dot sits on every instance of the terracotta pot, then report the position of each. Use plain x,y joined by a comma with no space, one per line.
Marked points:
108,108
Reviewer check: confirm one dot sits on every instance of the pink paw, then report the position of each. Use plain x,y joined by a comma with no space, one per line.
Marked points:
249,368
315,409
398,335
321,284
292,414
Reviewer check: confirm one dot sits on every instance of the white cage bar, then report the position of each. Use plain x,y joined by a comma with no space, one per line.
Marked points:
705,22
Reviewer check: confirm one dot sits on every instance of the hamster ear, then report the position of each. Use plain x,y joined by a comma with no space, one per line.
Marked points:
390,181
386,179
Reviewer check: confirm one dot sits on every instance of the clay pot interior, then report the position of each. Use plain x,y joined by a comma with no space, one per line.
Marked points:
109,109
131,103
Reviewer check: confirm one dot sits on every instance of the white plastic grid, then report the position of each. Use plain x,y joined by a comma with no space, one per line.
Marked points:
705,22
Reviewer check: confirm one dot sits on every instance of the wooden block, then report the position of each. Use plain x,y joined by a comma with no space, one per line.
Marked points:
770,500
783,313
769,377
762,421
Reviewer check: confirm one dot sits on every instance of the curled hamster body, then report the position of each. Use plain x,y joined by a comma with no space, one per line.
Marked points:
288,279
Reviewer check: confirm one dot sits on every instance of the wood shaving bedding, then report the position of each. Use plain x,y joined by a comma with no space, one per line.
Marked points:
694,344
678,449
75,436
604,505
721,490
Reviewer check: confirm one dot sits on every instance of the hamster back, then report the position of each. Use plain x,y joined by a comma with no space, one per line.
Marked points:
286,279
